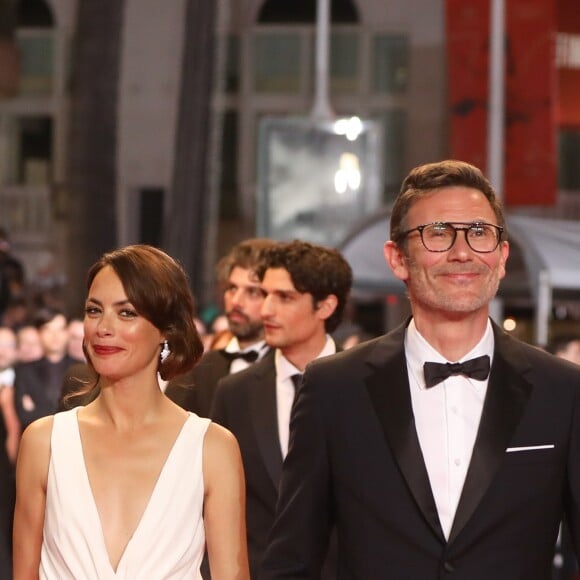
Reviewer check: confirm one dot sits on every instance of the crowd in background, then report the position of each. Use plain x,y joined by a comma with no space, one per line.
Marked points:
33,359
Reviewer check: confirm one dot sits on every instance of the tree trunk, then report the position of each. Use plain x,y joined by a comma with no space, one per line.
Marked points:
92,163
189,217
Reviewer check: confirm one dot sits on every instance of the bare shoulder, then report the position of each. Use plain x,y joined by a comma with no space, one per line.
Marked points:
34,452
222,460
37,434
218,440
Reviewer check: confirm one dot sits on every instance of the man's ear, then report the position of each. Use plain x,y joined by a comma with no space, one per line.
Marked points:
326,306
504,249
396,260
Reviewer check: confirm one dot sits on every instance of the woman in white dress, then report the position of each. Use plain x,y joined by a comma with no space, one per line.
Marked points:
131,486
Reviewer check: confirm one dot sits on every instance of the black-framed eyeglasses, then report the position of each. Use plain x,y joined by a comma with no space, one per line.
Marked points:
481,237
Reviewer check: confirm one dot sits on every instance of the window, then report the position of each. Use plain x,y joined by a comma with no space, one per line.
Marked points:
36,61
277,62
390,63
304,11
368,78
394,125
569,158
35,150
228,178
232,64
344,62
34,14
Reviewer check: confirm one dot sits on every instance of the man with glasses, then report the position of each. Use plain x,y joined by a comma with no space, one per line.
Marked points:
445,449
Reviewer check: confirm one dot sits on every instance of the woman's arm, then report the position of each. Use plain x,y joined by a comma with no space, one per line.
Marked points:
31,479
11,422
224,506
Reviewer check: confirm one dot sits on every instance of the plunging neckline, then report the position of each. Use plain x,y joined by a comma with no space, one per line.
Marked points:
92,504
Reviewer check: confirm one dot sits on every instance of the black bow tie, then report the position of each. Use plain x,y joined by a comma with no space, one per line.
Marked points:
248,356
476,368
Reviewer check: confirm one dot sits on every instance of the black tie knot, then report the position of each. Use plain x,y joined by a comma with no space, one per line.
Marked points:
475,368
248,356
296,381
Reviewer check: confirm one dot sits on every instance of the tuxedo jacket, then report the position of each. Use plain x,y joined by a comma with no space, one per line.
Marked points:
245,403
355,461
194,391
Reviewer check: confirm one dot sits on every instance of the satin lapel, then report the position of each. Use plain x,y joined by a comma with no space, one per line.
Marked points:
220,365
388,388
505,401
210,369
263,410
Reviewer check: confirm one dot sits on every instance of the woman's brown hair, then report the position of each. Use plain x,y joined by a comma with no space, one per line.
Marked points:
158,288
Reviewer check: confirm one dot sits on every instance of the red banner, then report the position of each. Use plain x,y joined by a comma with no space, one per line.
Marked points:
531,103
467,58
530,176
569,64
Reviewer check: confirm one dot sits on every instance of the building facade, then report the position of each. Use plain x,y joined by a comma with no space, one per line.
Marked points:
401,63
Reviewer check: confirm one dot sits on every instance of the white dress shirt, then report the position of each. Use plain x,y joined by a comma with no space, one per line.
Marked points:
239,364
446,418
7,377
285,390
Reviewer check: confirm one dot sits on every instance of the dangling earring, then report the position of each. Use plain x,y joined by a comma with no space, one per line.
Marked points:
164,352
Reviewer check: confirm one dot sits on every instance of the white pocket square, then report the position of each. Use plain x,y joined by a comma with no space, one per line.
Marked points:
529,448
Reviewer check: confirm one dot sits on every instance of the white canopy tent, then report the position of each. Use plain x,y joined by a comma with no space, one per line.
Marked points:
550,249
363,249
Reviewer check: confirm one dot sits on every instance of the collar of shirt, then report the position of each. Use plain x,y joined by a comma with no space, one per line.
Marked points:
418,351
234,346
7,377
285,369
285,391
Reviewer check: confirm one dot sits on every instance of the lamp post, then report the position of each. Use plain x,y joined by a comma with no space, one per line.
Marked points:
496,108
321,110
318,174
495,114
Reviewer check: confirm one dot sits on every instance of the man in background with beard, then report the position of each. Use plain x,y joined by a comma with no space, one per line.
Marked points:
243,299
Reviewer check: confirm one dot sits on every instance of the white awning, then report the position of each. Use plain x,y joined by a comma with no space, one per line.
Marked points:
363,250
549,244
550,249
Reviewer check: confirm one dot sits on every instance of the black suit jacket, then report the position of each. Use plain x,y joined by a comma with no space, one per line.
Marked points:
355,461
245,403
194,391
32,397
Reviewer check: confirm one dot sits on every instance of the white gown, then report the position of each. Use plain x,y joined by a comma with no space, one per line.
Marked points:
169,540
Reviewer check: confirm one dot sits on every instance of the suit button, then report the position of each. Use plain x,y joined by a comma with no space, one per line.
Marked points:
448,567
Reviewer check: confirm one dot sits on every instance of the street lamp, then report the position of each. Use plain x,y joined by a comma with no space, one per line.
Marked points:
318,175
